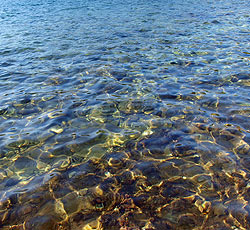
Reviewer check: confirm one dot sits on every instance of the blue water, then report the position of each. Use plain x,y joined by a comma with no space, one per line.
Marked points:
160,85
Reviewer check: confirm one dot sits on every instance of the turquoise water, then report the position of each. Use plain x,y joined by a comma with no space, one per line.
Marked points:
124,114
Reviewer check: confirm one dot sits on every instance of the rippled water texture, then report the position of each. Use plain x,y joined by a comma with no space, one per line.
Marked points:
124,114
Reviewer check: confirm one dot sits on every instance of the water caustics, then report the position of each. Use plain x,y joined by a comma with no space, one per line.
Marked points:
124,114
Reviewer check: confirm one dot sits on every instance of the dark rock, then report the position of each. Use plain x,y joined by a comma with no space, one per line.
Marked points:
41,223
187,221
24,162
11,182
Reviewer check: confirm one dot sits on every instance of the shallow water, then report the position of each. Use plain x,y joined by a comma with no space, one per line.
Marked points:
124,114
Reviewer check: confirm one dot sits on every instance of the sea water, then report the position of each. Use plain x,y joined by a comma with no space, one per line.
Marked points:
124,114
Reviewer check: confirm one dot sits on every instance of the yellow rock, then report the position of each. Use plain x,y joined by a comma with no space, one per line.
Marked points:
98,191
56,130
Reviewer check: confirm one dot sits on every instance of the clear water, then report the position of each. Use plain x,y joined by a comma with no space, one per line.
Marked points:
124,114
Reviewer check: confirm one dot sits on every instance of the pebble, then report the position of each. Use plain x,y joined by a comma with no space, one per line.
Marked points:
56,130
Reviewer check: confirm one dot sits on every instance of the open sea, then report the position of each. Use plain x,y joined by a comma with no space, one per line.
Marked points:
124,115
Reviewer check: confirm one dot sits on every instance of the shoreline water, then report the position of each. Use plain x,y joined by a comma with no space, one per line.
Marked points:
124,115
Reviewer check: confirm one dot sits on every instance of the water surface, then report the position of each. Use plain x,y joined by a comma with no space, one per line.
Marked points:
124,114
